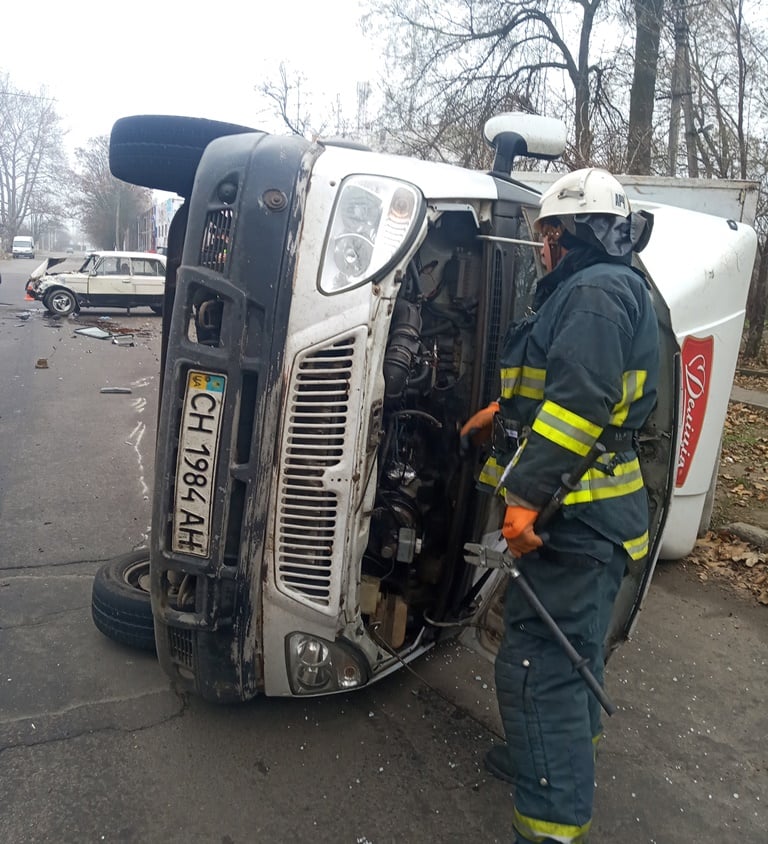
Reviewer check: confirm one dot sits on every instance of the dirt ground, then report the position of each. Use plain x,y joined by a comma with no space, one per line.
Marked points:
742,492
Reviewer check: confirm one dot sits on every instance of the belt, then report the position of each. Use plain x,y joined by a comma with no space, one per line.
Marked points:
618,439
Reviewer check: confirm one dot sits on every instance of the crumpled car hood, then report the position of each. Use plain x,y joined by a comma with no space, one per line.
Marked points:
40,271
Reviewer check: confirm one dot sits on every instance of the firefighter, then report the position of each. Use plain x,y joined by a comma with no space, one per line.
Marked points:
581,368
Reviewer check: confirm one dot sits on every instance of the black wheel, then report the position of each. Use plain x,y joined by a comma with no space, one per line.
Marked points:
162,151
120,603
61,302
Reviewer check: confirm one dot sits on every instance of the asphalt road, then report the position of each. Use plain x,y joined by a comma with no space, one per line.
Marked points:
96,745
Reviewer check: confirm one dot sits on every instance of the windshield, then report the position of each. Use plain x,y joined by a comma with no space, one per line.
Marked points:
88,264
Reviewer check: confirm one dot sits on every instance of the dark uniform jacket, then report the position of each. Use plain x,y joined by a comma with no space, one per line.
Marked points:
582,366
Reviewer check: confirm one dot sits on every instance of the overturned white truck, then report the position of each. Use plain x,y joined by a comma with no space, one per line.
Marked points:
332,316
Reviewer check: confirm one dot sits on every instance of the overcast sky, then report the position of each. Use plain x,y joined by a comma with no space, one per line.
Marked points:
103,61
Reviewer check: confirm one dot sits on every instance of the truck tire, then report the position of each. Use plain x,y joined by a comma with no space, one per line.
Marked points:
162,151
120,602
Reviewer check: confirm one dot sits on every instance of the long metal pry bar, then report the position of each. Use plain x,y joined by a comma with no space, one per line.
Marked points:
480,555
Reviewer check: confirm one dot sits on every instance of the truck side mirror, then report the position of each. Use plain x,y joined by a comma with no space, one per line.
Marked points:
516,133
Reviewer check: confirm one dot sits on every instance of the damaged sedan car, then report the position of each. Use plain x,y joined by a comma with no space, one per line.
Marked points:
105,280
332,317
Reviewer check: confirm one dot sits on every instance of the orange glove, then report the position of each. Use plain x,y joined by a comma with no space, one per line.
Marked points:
518,531
477,429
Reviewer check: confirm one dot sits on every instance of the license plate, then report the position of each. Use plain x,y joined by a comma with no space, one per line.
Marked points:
196,466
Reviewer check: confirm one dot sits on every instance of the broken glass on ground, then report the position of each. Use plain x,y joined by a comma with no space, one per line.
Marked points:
94,331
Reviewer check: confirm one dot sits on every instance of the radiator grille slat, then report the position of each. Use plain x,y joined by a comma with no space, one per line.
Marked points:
317,428
215,248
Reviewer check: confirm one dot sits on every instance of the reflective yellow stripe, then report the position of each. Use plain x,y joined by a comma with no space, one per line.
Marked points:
524,381
632,385
537,830
637,548
597,486
491,472
567,429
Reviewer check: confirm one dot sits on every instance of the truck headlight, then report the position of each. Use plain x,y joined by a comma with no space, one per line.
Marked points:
373,222
317,666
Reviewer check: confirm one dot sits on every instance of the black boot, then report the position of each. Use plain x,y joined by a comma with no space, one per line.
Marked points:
497,761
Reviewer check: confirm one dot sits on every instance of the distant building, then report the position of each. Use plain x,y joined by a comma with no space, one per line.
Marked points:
154,223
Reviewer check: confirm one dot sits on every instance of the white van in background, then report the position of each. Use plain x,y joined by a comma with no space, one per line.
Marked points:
23,247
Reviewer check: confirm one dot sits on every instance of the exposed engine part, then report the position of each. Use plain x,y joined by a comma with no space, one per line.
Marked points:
395,513
404,345
426,367
207,312
461,275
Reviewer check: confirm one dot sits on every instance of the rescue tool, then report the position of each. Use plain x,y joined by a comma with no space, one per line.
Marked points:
480,555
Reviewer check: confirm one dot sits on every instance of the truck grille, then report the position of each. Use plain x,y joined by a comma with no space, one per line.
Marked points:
215,248
316,430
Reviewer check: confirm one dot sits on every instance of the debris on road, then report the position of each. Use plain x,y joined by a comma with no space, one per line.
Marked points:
41,363
116,390
94,331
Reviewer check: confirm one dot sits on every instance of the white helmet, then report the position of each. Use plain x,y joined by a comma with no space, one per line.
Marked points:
587,191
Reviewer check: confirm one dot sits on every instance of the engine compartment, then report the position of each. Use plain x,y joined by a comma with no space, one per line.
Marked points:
445,326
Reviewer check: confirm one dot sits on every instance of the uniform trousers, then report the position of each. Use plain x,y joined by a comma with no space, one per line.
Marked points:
551,719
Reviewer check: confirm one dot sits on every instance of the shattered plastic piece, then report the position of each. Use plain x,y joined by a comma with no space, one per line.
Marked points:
93,331
120,390
123,340
24,315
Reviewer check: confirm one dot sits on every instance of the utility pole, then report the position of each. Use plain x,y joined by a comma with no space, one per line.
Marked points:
682,98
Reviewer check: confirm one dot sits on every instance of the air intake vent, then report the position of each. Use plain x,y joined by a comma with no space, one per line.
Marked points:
180,646
215,248
314,440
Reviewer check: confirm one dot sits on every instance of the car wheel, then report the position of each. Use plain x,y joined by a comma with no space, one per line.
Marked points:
60,302
162,151
120,603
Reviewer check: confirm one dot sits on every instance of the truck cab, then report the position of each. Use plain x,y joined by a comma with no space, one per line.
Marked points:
332,316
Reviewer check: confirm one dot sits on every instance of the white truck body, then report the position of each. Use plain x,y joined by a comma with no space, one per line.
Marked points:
337,316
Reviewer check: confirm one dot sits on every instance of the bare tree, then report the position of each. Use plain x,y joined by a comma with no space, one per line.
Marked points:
490,52
291,101
648,22
108,207
31,154
682,94
728,62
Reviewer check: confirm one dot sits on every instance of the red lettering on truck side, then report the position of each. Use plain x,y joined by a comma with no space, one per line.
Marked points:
697,372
